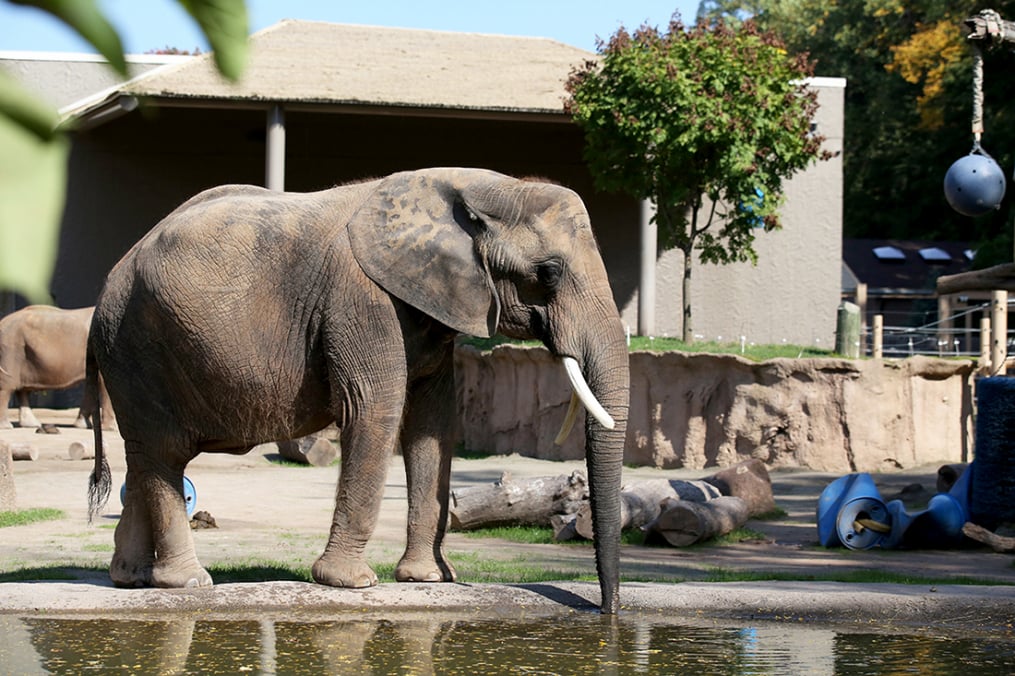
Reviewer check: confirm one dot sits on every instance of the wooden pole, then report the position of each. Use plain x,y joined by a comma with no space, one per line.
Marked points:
999,331
878,350
861,301
944,325
984,364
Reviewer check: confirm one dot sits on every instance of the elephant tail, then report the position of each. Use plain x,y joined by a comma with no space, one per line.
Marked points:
100,481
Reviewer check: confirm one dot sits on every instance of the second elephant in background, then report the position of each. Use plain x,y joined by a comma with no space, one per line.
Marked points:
43,348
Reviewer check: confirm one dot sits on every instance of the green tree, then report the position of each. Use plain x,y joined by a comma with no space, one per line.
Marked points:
908,67
34,148
706,122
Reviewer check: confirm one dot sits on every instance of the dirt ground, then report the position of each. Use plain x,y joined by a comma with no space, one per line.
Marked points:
269,512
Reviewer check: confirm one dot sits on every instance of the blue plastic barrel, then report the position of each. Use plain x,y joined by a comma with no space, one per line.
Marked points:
189,495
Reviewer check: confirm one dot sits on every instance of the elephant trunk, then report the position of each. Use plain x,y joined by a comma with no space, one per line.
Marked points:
606,371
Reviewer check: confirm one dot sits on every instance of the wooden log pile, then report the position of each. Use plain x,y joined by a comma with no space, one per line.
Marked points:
674,511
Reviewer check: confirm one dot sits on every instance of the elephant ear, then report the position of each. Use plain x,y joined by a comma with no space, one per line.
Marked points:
413,237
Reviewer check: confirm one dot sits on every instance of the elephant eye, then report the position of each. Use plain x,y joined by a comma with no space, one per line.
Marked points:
468,218
549,273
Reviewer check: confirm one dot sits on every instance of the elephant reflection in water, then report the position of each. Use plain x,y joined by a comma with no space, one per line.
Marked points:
427,644
132,645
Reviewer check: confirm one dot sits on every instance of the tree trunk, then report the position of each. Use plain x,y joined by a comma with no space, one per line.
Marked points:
682,523
516,503
688,331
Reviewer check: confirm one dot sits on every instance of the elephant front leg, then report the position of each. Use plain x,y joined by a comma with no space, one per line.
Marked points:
427,444
367,447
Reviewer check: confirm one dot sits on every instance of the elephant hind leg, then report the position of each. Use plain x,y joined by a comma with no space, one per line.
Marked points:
154,543
25,415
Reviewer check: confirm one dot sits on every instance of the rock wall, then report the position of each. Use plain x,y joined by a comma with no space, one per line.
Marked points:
703,410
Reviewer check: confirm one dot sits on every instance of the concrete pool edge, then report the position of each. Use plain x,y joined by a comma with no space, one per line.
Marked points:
980,607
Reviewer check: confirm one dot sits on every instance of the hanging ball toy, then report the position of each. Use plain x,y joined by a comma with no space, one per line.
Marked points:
974,185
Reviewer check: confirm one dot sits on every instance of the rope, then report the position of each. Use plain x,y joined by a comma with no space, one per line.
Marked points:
977,95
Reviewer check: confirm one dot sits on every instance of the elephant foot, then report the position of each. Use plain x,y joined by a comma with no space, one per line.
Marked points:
30,423
81,423
6,425
417,570
179,577
336,571
129,576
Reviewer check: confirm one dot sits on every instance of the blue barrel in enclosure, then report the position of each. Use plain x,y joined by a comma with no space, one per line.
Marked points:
189,495
992,499
851,512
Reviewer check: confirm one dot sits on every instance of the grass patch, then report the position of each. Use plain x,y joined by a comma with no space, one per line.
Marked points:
776,514
540,535
105,547
853,576
474,568
23,517
666,344
531,535
53,573
259,571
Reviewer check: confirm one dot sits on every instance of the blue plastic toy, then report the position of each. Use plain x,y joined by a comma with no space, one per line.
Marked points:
189,495
851,512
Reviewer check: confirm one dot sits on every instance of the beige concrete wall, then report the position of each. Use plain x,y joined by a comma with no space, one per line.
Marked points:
701,410
792,293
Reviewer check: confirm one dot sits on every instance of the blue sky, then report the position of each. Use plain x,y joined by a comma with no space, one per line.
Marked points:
154,24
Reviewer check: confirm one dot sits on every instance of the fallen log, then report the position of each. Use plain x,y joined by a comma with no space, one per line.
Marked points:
23,451
681,523
563,527
999,543
517,503
749,481
309,450
640,502
82,450
947,475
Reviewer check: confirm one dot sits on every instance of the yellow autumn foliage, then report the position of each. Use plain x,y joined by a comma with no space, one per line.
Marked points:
925,59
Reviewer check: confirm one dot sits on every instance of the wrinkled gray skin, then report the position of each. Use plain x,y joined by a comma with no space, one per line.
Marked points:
247,316
43,348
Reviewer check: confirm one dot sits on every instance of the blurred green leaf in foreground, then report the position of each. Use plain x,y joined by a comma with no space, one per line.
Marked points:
33,151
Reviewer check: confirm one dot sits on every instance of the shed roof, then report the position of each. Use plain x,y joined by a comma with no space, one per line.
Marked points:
310,62
904,267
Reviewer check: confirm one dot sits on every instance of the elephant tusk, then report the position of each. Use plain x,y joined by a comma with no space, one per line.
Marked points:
584,393
572,415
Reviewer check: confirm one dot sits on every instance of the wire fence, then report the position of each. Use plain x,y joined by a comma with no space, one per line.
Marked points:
957,335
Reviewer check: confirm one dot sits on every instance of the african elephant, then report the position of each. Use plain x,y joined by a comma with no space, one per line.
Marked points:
248,316
43,348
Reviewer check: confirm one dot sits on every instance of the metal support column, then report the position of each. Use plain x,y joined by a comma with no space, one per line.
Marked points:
274,159
647,271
